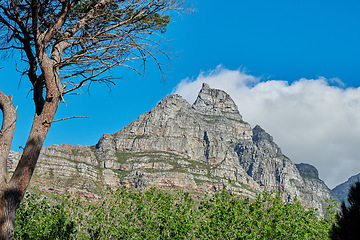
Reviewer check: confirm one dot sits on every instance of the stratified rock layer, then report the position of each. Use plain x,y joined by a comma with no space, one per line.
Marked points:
201,147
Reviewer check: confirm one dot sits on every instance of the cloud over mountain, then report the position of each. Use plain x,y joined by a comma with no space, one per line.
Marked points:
310,119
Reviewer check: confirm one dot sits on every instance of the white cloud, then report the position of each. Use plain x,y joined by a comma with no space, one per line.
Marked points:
310,120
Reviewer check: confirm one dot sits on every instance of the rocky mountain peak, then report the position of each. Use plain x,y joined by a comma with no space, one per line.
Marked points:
307,170
216,102
169,106
341,191
173,100
259,134
264,140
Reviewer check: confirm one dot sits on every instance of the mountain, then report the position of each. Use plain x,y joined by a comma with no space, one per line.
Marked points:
341,191
203,147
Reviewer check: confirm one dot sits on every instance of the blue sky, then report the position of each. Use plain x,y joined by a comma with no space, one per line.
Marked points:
271,41
280,39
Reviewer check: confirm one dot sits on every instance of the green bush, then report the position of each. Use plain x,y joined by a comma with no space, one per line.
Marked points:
37,218
127,214
156,214
231,217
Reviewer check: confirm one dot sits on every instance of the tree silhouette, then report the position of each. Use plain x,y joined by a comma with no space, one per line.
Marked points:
347,225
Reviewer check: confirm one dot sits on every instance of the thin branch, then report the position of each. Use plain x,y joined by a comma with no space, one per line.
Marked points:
89,78
62,119
52,30
12,28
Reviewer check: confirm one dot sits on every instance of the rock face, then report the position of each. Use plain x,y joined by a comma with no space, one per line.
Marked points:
216,103
263,160
341,191
307,170
197,141
201,147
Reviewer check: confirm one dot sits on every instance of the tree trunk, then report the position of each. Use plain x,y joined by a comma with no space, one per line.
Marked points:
9,202
9,199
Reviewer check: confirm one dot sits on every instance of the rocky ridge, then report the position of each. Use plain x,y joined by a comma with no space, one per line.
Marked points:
342,190
203,147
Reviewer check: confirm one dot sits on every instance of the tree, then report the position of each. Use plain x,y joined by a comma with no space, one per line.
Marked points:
347,225
66,45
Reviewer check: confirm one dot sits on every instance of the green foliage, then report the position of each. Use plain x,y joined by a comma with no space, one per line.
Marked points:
116,11
348,220
36,218
156,214
230,217
136,215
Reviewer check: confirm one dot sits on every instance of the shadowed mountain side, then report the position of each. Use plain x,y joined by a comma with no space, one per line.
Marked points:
342,190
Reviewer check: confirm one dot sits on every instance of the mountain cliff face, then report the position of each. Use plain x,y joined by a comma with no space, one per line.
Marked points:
201,147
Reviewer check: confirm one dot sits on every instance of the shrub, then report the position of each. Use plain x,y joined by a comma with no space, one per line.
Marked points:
157,214
38,218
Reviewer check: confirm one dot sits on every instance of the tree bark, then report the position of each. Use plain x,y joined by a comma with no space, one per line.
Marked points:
9,202
6,132
8,198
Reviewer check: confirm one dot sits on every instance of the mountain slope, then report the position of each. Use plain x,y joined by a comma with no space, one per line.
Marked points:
341,191
201,147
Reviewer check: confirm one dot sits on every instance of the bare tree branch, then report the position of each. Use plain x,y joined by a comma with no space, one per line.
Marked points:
62,119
